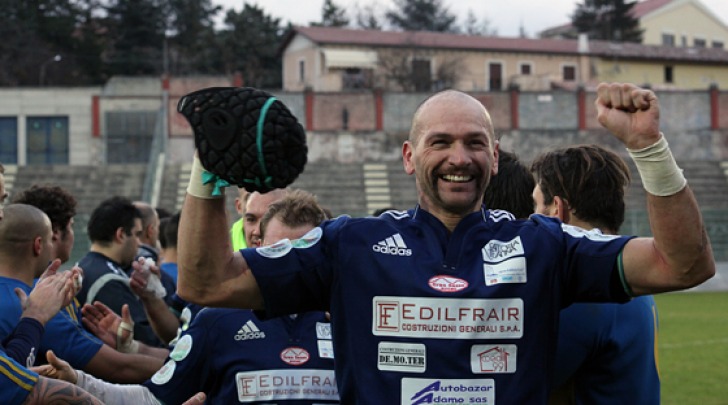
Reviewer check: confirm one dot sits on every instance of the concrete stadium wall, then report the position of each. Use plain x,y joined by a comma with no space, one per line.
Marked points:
695,122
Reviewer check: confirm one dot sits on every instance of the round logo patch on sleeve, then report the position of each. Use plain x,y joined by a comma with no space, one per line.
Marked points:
182,348
278,249
164,374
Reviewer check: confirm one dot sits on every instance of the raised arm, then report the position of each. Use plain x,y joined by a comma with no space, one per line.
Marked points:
210,273
679,255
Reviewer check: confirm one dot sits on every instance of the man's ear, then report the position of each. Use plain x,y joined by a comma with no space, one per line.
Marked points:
37,245
496,152
562,209
407,149
119,235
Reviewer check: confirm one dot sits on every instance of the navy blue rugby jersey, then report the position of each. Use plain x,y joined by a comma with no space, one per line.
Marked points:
420,315
235,357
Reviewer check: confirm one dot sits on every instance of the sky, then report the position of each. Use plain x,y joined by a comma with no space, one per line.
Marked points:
506,17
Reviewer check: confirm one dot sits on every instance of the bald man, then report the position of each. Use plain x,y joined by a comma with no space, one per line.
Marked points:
450,302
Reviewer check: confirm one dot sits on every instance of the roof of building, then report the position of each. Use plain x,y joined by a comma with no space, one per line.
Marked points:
645,7
641,9
438,40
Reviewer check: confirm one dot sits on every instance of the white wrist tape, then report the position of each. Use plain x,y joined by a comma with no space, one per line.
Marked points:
196,187
130,345
657,167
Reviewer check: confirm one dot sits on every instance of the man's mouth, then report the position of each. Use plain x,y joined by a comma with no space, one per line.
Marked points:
456,178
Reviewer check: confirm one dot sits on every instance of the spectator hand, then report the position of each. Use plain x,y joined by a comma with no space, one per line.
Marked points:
57,368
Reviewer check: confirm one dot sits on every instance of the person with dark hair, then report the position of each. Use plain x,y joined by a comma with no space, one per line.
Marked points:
60,206
168,241
231,353
379,211
114,229
149,249
511,188
606,353
149,239
450,302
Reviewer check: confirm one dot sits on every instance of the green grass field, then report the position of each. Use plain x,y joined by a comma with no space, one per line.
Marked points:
693,348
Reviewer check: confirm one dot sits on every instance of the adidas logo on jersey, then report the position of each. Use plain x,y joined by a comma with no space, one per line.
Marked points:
249,331
393,245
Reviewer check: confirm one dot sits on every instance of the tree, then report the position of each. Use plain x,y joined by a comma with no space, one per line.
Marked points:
421,15
251,41
193,44
610,20
45,40
474,27
367,16
332,16
137,29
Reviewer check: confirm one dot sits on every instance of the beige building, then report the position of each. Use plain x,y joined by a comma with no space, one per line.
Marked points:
684,23
325,59
681,23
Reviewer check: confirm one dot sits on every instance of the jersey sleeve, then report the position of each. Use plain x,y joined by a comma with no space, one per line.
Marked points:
188,366
16,382
296,276
590,262
23,343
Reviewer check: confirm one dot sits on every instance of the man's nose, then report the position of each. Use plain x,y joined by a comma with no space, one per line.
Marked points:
459,155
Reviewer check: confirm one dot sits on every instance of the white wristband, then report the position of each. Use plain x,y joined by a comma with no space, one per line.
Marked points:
657,167
196,187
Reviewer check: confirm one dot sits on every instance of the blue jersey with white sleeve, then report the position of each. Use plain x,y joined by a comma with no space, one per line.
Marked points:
422,315
233,356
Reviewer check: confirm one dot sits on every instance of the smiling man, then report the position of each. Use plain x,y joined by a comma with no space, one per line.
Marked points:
450,302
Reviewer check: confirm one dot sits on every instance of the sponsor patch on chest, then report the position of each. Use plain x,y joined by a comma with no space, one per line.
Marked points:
295,356
447,318
404,357
417,391
281,385
492,359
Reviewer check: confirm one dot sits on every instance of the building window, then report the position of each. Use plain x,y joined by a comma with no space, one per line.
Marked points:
301,71
495,76
669,74
684,41
47,140
718,44
569,73
525,69
355,78
421,75
668,39
129,136
699,43
8,140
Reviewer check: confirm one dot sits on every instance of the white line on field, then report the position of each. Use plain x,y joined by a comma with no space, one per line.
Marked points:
694,343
